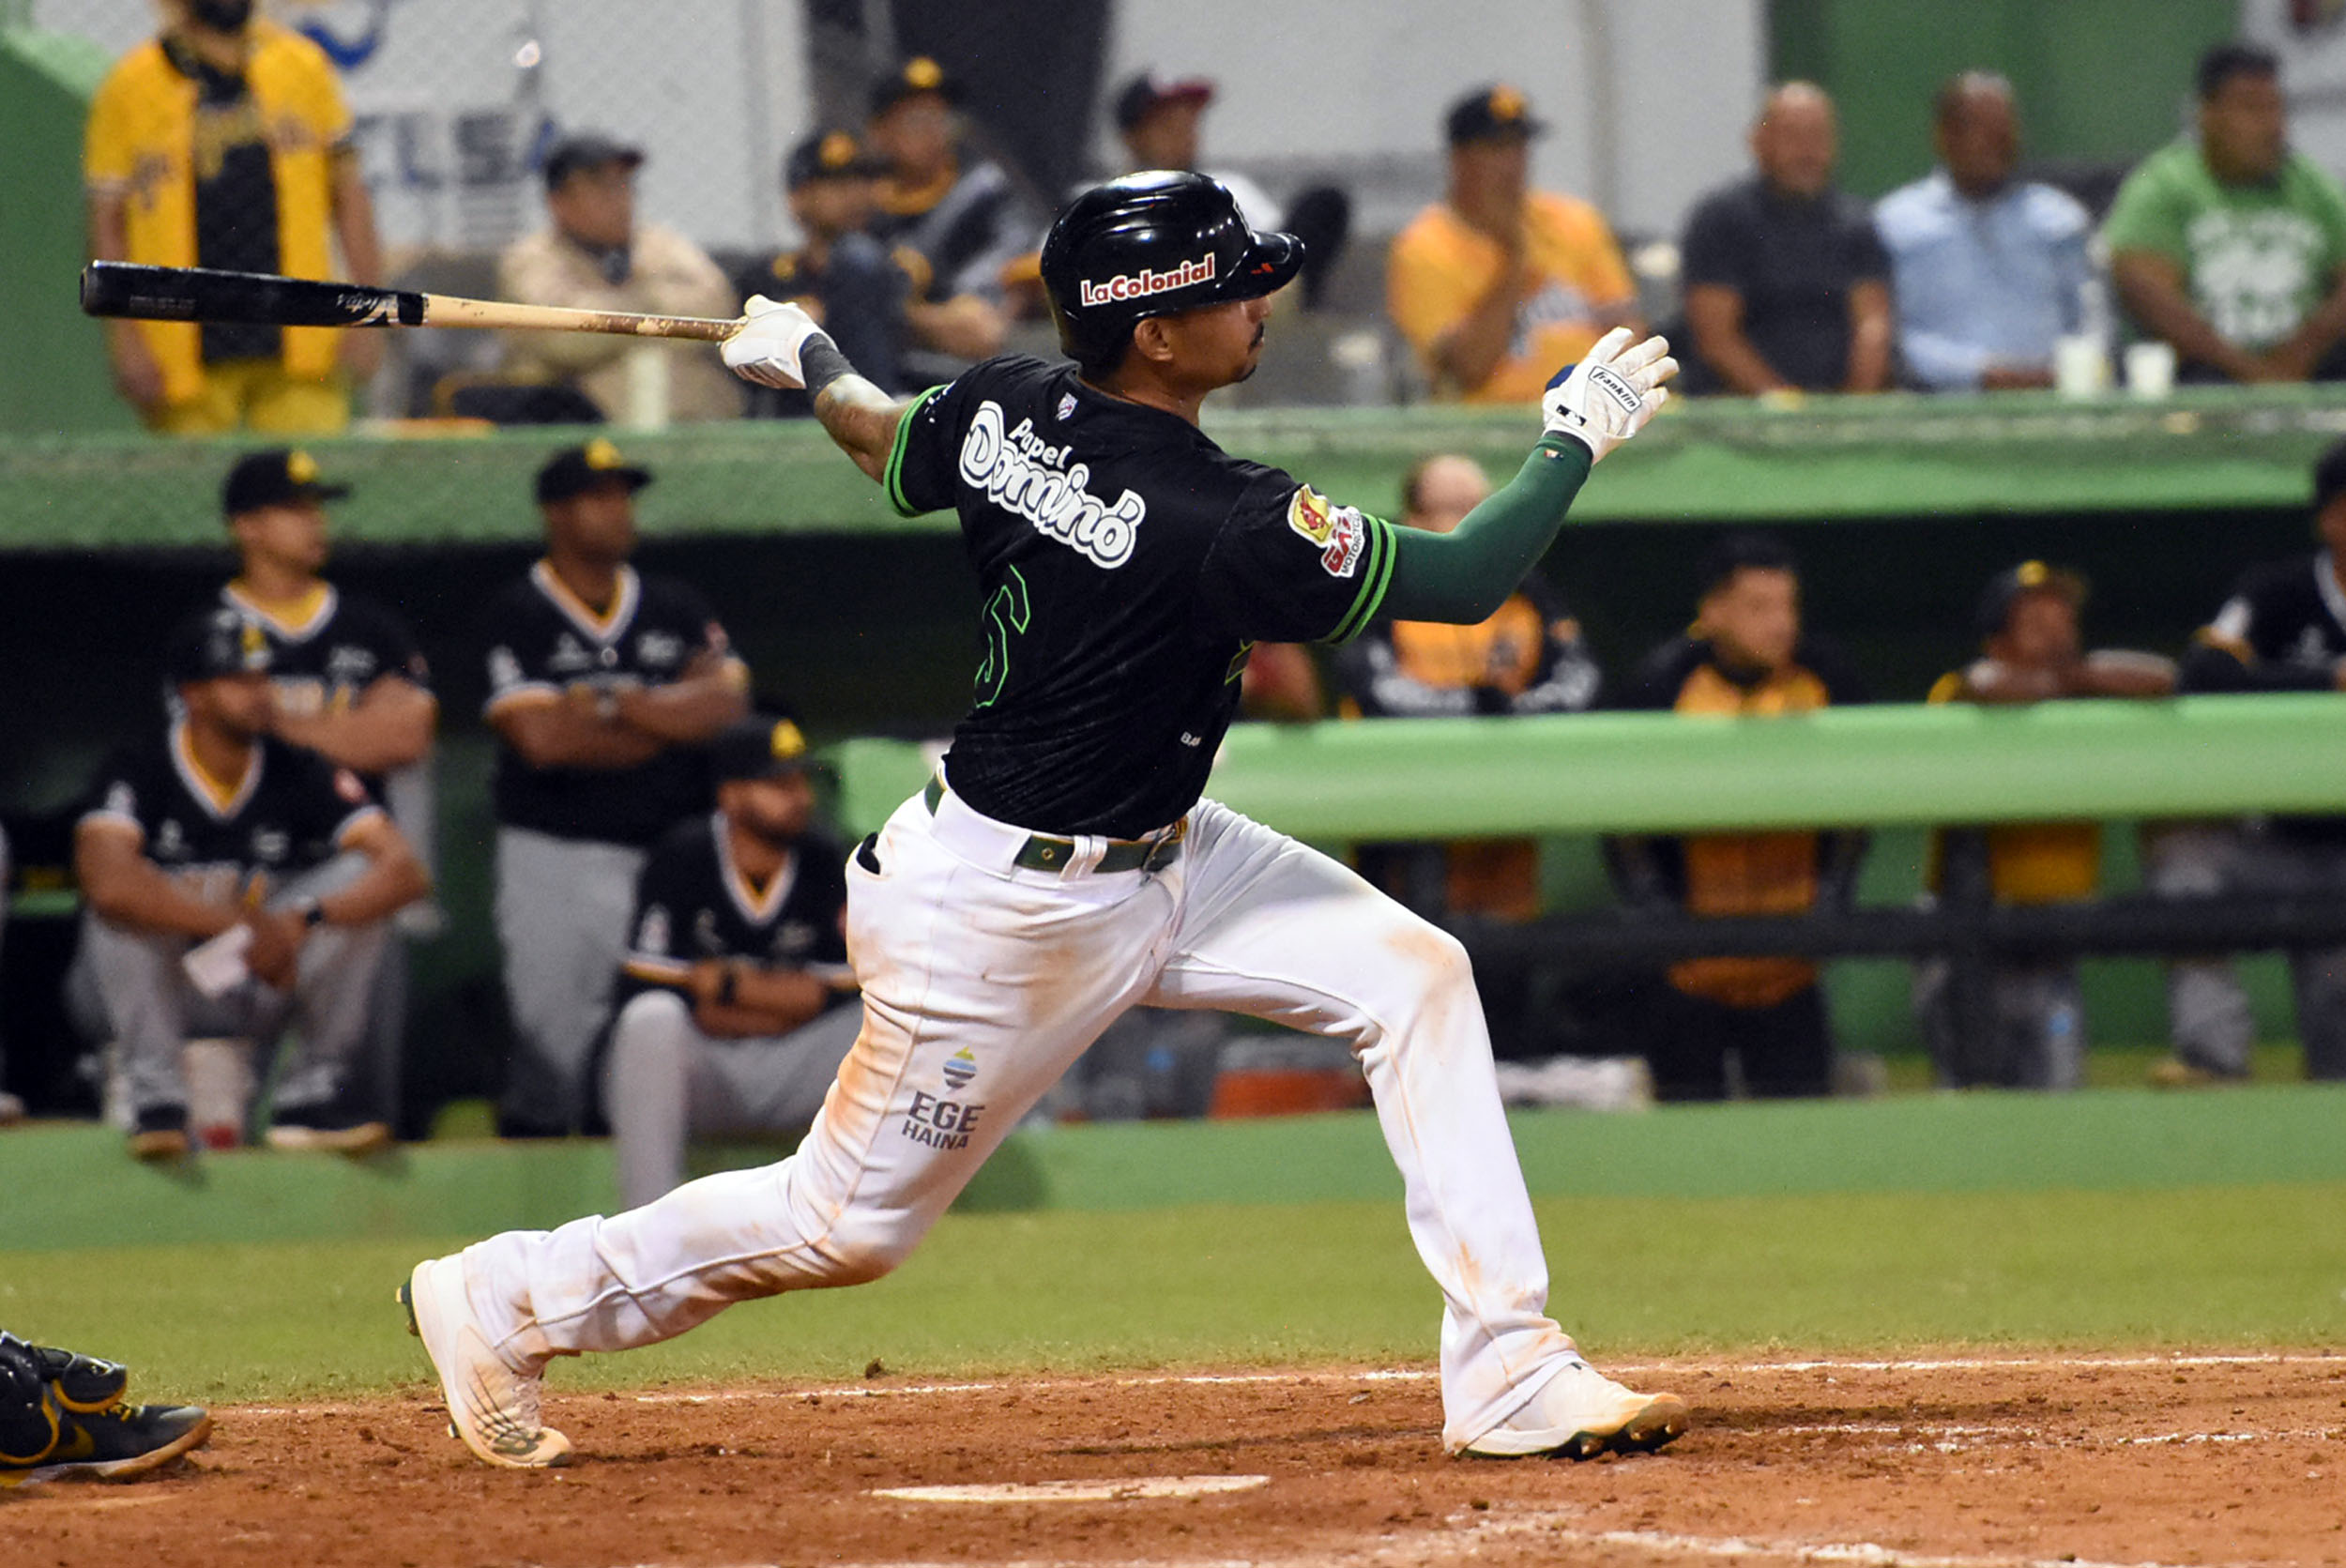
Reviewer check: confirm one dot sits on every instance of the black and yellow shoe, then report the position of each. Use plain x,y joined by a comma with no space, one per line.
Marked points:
62,1417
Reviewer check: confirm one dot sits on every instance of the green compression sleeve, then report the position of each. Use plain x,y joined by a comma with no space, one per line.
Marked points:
1464,576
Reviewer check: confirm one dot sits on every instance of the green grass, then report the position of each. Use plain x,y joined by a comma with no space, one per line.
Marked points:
1304,1283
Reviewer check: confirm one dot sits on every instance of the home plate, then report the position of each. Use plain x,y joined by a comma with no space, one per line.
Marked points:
1109,1490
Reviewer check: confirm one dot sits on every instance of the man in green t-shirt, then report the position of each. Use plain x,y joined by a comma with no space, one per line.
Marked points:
2230,245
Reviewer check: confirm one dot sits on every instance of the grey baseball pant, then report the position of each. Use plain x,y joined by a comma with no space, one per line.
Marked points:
562,913
2209,1016
128,986
666,1081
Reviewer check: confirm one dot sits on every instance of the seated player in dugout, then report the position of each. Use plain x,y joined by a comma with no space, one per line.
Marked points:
1496,285
2281,629
736,1005
215,826
605,686
2031,649
1063,867
1746,655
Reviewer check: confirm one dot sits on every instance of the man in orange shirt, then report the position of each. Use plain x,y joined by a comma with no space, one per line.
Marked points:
1498,284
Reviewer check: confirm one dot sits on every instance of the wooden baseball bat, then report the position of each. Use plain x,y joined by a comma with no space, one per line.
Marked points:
263,299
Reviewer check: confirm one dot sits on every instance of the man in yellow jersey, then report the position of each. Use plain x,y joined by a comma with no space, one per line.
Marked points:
225,141
1496,285
2034,1034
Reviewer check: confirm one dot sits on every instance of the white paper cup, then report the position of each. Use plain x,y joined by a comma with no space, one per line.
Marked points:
2150,368
2080,369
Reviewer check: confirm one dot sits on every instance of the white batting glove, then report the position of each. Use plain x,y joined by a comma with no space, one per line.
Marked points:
1607,397
765,348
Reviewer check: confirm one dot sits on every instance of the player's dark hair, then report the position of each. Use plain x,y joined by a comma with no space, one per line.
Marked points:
1948,103
1098,357
1745,552
2223,62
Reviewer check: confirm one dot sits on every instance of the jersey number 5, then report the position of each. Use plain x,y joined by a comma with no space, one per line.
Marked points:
1006,614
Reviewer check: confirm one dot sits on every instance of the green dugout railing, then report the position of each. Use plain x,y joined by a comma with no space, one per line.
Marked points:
1900,455
1644,773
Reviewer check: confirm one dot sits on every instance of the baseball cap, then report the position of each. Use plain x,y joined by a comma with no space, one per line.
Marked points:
277,477
2004,590
588,149
1140,95
1493,113
828,155
916,76
762,746
575,469
214,643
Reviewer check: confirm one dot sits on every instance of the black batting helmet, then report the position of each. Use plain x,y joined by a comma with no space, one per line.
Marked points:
1150,245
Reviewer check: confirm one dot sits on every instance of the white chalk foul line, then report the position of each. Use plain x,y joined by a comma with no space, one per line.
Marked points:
1104,1490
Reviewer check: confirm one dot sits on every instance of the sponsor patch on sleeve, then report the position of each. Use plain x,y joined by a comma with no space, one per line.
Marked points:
1340,533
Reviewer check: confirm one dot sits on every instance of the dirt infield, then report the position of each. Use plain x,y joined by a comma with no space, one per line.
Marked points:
1966,1461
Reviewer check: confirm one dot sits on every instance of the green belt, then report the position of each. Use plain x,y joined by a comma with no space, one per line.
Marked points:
1041,852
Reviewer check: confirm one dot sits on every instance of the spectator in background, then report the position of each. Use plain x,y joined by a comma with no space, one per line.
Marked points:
1158,123
596,257
960,215
1787,284
2229,246
215,826
736,1003
1988,270
225,141
351,685
2034,1034
840,275
604,689
2282,630
1745,654
1498,286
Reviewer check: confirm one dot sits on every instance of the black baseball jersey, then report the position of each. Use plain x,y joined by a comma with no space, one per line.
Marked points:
692,903
543,641
1126,565
326,660
291,810
2282,630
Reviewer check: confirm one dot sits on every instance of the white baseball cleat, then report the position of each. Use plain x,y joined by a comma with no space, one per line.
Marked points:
490,1406
1581,1413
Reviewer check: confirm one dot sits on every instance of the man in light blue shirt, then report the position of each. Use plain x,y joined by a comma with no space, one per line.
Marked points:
1987,271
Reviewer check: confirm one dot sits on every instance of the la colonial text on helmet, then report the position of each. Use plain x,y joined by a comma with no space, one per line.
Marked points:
1147,281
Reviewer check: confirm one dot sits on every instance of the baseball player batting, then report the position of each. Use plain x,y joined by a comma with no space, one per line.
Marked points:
1062,867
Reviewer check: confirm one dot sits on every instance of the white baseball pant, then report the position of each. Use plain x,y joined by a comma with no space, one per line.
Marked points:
983,981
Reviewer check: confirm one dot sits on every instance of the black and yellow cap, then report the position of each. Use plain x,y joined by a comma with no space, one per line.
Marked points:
283,476
759,747
828,155
916,76
2006,587
574,470
215,643
1495,113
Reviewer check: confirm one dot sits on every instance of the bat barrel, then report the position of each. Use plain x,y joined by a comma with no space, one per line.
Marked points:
259,298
